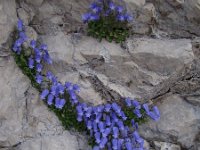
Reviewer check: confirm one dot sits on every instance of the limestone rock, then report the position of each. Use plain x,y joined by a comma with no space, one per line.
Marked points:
179,122
164,146
25,16
35,2
26,123
8,19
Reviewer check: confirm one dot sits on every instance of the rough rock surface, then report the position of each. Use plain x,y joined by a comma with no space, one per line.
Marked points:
150,65
25,121
8,19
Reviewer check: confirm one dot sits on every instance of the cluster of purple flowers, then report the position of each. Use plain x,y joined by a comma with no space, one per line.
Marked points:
17,47
104,122
106,8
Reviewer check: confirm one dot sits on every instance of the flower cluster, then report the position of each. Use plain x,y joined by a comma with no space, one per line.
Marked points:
106,123
108,20
106,8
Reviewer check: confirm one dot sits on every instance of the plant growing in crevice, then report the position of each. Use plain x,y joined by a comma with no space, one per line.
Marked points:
110,126
109,20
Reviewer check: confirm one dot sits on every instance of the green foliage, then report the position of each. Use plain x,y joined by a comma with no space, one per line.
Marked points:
108,28
68,114
130,115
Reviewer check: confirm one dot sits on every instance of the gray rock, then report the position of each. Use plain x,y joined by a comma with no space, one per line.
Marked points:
24,15
128,73
26,123
166,146
179,123
8,19
178,18
35,2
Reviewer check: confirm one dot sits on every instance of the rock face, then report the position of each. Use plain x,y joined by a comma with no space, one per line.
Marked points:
26,123
179,123
127,72
8,19
156,67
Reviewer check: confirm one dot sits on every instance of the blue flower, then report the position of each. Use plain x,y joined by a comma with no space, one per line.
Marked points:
33,44
94,126
138,113
120,143
108,122
60,103
39,78
123,115
98,117
146,108
107,107
50,99
89,125
119,9
96,148
136,104
97,136
79,118
38,52
88,112
43,47
101,126
128,17
38,58
106,132
103,142
100,108
86,17
114,117
137,137
94,17
49,75
47,58
115,144
124,133
115,132
20,25
30,63
76,88
156,110
19,42
121,17
95,8
44,94
116,108
79,110
112,6
23,36
128,102
128,145
39,67
120,124
61,89
53,90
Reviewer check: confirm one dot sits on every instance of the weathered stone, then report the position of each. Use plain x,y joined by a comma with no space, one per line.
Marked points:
25,16
178,18
171,55
25,120
179,122
8,19
35,2
164,146
148,13
58,142
132,5
31,34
